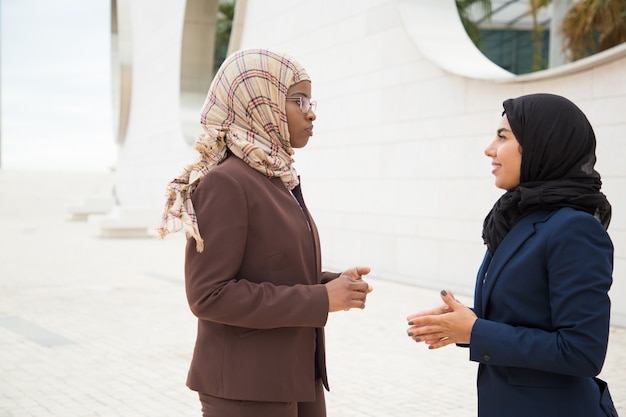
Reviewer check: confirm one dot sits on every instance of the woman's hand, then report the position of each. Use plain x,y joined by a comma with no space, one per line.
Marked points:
348,290
441,326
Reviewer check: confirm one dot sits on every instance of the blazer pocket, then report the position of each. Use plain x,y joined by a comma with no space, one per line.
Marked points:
264,334
243,332
538,379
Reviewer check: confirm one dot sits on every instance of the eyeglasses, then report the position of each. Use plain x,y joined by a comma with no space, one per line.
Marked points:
305,103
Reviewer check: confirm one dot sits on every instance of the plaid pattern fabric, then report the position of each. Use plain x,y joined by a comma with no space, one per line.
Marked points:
244,112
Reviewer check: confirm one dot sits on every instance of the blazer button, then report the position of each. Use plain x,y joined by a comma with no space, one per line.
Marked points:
486,358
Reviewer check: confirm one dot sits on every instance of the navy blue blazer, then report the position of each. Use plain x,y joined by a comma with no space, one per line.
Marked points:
543,318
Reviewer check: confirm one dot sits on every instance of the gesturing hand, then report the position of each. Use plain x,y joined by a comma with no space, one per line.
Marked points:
439,327
348,290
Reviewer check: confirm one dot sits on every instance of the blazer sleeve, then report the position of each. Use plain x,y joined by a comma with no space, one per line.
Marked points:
579,266
214,290
329,276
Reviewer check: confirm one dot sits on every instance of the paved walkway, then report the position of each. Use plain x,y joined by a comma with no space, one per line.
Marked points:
100,327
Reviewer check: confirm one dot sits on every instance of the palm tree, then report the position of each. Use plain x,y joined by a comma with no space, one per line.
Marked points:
470,26
589,26
537,33
592,26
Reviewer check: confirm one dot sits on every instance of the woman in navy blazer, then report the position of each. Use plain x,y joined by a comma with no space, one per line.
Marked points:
539,327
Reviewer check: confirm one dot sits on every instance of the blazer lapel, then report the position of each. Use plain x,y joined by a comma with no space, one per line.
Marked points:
297,192
509,246
480,281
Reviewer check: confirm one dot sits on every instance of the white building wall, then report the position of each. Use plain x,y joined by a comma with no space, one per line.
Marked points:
395,174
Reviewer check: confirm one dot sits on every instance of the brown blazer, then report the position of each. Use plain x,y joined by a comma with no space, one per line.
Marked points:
256,289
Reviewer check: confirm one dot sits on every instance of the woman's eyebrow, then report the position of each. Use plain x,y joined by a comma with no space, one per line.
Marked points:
502,129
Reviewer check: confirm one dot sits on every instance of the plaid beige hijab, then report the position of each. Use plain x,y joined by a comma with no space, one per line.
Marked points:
244,112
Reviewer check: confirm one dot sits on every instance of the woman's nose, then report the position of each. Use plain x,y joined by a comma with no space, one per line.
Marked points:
490,150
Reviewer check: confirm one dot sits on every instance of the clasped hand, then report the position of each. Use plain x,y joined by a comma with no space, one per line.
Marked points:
450,323
348,290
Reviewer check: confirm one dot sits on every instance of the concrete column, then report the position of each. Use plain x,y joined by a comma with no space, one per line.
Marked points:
556,54
196,63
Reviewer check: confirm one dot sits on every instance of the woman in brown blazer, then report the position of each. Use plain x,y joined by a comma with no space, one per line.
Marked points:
253,266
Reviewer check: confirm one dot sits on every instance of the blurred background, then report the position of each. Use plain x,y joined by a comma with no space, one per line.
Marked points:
409,91
99,109
56,85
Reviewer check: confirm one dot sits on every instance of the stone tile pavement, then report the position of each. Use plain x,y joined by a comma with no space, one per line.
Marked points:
100,327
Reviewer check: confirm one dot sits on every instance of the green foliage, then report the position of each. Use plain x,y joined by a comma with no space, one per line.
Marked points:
470,26
592,26
535,6
224,25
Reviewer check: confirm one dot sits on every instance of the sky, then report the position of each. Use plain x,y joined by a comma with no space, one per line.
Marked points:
55,85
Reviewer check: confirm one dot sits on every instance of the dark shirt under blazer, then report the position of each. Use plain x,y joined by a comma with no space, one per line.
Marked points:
543,325
256,289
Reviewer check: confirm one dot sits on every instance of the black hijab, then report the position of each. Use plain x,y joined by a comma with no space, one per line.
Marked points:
558,158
